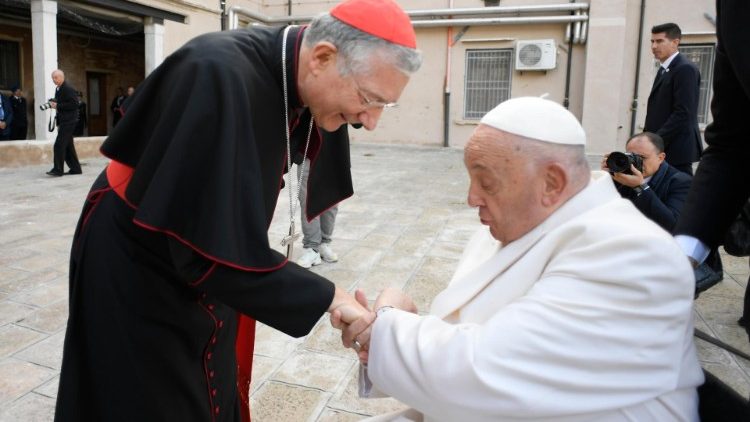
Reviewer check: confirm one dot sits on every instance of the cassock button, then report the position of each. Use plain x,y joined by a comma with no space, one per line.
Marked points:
211,374
216,410
211,307
213,340
213,392
209,355
221,324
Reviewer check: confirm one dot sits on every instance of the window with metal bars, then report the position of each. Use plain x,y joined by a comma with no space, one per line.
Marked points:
703,57
9,64
487,81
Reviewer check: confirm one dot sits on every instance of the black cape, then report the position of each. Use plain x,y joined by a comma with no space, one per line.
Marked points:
157,280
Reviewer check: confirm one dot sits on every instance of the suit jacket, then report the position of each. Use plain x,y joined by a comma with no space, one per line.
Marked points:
664,201
722,182
8,116
67,104
673,111
586,317
19,111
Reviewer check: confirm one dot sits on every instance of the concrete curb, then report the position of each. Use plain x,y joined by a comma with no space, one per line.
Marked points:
32,152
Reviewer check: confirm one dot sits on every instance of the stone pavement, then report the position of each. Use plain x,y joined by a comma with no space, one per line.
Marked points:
405,227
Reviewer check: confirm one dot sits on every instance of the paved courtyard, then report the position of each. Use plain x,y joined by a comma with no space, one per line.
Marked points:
405,227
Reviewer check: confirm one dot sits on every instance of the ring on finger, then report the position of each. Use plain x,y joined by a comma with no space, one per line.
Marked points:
356,346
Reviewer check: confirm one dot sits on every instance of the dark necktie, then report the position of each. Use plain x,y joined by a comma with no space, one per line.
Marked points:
659,74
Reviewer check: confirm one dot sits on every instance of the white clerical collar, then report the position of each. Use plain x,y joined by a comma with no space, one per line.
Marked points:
667,62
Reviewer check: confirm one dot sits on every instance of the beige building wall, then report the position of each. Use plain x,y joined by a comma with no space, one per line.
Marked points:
602,72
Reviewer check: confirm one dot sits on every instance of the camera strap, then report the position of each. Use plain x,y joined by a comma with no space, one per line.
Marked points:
52,123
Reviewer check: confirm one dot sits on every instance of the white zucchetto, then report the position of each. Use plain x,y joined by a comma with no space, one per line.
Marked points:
536,118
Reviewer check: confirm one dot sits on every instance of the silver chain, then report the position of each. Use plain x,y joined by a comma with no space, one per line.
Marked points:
292,199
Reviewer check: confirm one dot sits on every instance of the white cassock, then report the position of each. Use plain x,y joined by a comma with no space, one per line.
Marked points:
588,317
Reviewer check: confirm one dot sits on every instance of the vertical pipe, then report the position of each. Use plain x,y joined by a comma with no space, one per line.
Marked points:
566,99
634,106
447,84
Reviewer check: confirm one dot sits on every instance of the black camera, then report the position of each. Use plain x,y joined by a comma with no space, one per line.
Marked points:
46,105
619,162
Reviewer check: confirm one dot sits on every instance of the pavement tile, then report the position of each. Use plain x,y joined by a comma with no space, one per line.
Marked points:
49,388
278,402
47,353
14,338
30,408
380,278
17,378
347,398
313,369
45,294
432,278
12,312
326,339
49,319
262,367
274,344
335,415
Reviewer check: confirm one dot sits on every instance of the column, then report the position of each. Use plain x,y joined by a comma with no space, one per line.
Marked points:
153,31
606,83
44,45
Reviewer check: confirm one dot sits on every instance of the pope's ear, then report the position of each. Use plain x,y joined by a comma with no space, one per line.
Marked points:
555,182
323,55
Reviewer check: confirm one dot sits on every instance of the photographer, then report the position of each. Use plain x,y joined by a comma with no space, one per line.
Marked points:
66,104
657,189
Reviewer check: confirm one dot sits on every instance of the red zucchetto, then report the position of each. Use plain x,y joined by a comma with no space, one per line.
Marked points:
381,18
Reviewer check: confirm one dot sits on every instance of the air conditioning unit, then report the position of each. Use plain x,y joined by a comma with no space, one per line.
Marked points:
536,55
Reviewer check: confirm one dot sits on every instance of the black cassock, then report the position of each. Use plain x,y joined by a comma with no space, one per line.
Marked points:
160,272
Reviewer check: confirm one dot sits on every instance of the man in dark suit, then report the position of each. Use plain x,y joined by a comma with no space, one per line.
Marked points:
659,191
722,183
20,122
673,103
66,104
6,117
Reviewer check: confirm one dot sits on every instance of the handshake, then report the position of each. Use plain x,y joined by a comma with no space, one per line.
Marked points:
354,317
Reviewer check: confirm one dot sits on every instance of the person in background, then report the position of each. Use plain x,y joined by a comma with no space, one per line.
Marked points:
672,110
19,127
82,116
115,107
66,104
6,117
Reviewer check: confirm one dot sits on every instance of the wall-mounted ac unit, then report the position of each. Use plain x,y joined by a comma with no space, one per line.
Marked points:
536,55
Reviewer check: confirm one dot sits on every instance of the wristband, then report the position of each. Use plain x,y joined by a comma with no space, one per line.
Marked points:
382,309
640,189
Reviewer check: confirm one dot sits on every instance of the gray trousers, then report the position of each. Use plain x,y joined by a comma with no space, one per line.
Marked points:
320,229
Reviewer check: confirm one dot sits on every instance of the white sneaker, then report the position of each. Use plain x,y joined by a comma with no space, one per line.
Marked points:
309,258
327,253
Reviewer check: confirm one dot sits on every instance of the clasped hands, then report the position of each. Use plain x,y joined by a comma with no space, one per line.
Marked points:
354,317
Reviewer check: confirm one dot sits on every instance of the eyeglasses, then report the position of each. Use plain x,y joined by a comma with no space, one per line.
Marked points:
368,103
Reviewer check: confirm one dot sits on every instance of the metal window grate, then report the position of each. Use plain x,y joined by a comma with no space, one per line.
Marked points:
703,57
487,82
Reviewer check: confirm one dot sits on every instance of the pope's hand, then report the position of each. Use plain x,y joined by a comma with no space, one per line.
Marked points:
397,299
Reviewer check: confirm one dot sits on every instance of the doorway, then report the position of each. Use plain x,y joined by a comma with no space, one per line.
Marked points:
97,103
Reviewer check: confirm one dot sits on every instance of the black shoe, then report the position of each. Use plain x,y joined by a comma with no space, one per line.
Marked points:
54,173
705,278
74,172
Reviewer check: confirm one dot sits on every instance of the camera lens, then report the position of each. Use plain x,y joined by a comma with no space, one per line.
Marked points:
618,162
